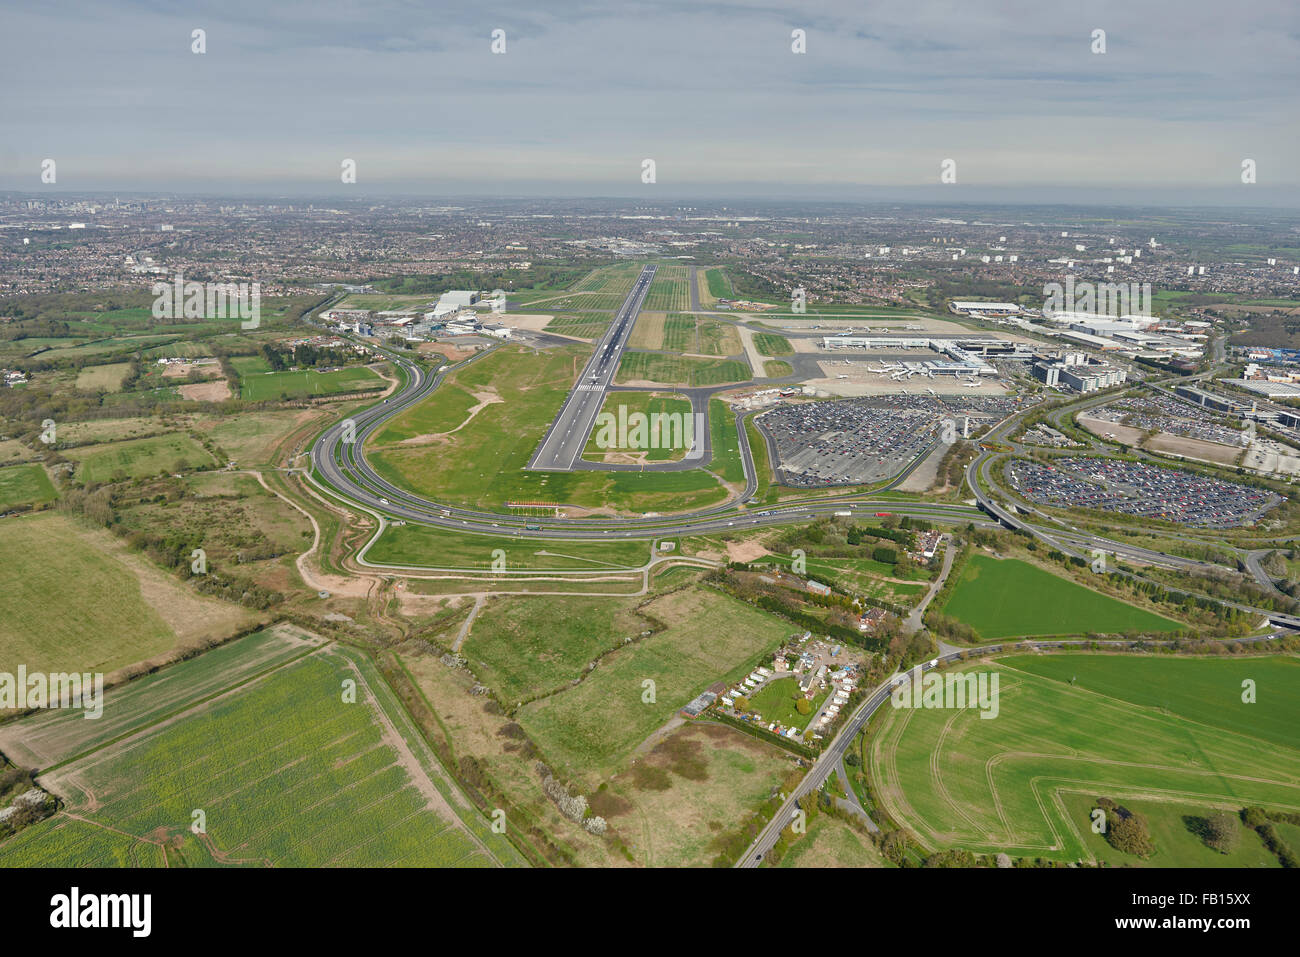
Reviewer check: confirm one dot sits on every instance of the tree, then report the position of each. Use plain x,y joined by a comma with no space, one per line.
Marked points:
1222,832
1128,831
803,706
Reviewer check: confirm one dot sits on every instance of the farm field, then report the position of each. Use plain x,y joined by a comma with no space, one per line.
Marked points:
84,603
674,804
136,458
25,485
661,440
286,773
958,780
484,464
251,437
637,367
1006,598
519,661
1205,690
309,382
707,637
107,378
1174,829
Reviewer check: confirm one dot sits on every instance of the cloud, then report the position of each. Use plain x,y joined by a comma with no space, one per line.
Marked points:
711,91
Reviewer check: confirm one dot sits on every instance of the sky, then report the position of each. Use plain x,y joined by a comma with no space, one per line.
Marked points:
711,91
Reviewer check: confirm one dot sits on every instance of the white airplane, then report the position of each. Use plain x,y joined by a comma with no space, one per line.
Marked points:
971,384
931,391
897,375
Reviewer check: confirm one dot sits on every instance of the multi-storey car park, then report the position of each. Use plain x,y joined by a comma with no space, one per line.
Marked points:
1139,490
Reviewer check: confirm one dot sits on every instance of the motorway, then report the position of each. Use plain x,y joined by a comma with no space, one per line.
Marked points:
567,436
339,468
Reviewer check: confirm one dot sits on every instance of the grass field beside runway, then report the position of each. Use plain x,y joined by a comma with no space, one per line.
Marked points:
770,344
678,370
483,465
579,325
1006,598
719,285
1007,783
662,439
670,290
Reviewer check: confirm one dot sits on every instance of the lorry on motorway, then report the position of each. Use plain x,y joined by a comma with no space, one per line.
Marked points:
532,528
843,514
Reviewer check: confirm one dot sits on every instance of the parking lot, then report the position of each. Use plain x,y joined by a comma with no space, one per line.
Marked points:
1163,414
1134,488
864,440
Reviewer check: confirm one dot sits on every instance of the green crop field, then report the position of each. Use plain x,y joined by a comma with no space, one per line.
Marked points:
484,464
1008,598
135,458
662,439
83,603
308,382
250,365
1168,734
677,370
770,344
588,728
285,771
25,485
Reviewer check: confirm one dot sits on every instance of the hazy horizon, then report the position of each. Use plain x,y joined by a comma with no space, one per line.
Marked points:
712,92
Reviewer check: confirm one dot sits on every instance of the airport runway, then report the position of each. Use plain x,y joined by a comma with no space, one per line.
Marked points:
567,437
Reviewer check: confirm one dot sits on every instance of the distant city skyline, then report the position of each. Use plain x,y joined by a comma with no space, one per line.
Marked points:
584,93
